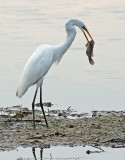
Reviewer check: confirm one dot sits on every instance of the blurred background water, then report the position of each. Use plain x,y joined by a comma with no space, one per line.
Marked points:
24,25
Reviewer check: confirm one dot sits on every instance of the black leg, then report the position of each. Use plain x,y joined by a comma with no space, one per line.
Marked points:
34,154
41,104
33,105
41,153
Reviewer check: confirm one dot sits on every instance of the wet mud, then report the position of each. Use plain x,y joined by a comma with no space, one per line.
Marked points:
66,127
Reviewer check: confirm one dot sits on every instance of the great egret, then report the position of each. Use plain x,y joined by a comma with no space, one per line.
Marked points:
41,61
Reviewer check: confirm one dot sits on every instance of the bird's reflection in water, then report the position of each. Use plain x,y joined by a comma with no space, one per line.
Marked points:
99,150
34,153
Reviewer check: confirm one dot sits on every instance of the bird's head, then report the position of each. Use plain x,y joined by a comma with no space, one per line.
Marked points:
82,26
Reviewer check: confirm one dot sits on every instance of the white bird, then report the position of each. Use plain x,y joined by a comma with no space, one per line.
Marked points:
42,59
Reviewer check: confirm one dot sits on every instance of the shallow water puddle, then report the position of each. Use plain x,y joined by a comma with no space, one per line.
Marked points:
64,153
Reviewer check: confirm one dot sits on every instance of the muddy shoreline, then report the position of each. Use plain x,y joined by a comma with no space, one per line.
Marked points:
103,128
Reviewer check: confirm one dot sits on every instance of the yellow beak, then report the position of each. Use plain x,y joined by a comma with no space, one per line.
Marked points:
88,34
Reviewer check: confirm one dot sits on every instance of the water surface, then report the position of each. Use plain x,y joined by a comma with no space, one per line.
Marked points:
65,153
73,82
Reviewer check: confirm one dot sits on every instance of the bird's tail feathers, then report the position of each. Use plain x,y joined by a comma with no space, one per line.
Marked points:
21,91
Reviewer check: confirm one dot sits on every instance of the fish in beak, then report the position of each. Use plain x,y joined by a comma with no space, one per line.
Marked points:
89,51
89,45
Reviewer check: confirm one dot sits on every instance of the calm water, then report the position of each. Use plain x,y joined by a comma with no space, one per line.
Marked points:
24,25
65,153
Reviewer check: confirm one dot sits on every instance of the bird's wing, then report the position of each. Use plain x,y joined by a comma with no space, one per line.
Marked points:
36,67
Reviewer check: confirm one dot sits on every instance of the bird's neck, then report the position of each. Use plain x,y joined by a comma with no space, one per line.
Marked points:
59,50
71,33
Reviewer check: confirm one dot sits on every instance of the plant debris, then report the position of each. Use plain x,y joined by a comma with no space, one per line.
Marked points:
103,128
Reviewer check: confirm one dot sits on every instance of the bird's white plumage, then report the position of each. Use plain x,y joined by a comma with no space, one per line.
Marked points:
43,57
35,69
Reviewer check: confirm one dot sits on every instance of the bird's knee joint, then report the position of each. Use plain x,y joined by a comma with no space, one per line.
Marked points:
33,105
